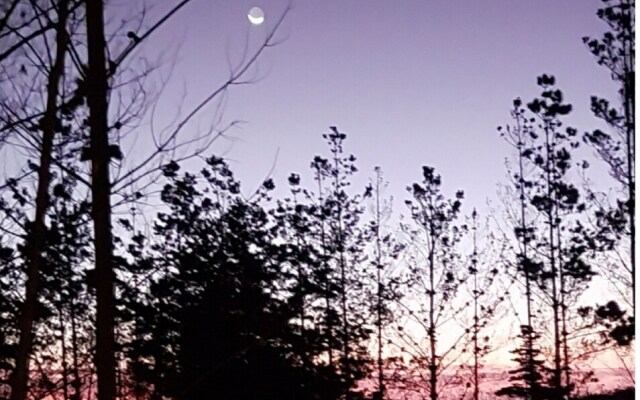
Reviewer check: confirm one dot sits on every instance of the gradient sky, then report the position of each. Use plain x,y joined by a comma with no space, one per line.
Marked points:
410,82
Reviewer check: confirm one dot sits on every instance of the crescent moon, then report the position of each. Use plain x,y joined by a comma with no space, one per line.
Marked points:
256,16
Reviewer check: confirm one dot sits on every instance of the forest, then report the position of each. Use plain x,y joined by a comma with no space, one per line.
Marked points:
158,275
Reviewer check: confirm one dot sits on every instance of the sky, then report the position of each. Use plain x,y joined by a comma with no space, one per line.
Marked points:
412,83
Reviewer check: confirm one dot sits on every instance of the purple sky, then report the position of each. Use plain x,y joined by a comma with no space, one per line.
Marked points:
410,82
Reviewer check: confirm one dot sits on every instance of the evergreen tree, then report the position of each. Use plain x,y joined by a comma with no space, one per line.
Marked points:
616,52
217,314
527,267
561,272
440,276
385,252
295,218
65,333
557,199
8,316
529,377
343,268
483,275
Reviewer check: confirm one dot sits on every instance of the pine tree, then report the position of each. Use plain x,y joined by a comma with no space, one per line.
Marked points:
343,265
8,316
518,136
296,218
531,372
439,278
385,252
219,309
616,52
483,275
66,324
562,272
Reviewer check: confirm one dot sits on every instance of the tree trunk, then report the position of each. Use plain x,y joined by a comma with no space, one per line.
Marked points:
563,311
77,383
101,202
476,329
555,304
525,259
433,367
326,269
378,221
36,235
65,368
629,111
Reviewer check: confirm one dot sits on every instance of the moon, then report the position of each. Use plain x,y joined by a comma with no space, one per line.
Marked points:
256,16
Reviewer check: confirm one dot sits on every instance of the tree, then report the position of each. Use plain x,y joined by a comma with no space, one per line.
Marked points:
518,136
220,306
556,198
561,270
64,115
294,219
37,228
439,277
101,199
531,371
342,249
386,251
616,52
483,273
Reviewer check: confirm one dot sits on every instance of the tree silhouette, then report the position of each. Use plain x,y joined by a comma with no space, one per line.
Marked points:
439,277
343,270
483,276
386,251
531,371
49,125
616,52
562,272
526,265
217,313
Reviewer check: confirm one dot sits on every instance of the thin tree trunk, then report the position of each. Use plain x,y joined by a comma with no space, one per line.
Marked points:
101,202
555,305
77,384
36,238
343,278
65,368
300,268
525,259
327,281
629,110
433,366
379,294
476,350
563,310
